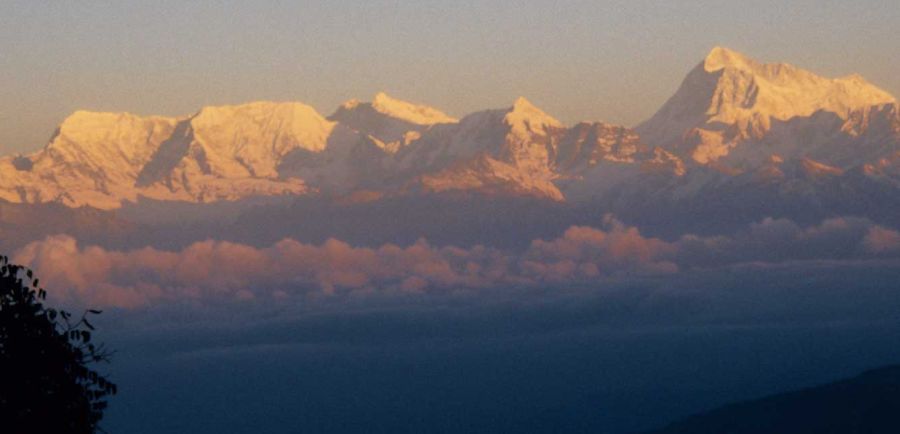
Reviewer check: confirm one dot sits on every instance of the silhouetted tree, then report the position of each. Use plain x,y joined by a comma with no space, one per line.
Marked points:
45,383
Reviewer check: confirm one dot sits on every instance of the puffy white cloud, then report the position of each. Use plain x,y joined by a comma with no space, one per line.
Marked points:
224,270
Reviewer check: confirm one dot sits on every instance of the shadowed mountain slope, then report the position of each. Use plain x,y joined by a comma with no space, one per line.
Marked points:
869,403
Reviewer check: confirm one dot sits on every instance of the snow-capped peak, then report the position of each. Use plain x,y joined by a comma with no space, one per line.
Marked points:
721,57
409,112
783,91
250,139
526,116
288,110
389,121
102,139
91,125
730,97
271,126
523,105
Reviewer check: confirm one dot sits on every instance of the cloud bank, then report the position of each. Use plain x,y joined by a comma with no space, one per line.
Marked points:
216,270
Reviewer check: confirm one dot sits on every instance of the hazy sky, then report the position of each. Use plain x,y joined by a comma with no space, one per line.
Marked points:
579,60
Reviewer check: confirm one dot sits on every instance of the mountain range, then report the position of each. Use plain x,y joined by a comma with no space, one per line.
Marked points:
739,138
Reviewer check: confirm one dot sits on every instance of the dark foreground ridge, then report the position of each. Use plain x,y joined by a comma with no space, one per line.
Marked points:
869,403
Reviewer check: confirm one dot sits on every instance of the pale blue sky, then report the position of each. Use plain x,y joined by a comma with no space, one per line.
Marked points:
598,60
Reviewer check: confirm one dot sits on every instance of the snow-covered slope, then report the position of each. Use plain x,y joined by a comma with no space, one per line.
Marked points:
520,133
762,132
522,151
413,113
219,153
507,150
738,111
92,159
230,152
391,123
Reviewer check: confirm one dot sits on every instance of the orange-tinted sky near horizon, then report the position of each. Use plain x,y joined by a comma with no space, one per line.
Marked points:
612,60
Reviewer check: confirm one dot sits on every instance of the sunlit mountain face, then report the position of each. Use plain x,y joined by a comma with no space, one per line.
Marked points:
764,140
391,268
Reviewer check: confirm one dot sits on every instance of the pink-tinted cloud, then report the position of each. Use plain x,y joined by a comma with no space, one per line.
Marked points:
217,268
585,253
882,240
225,270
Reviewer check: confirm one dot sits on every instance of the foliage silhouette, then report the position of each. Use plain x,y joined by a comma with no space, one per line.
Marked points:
45,383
